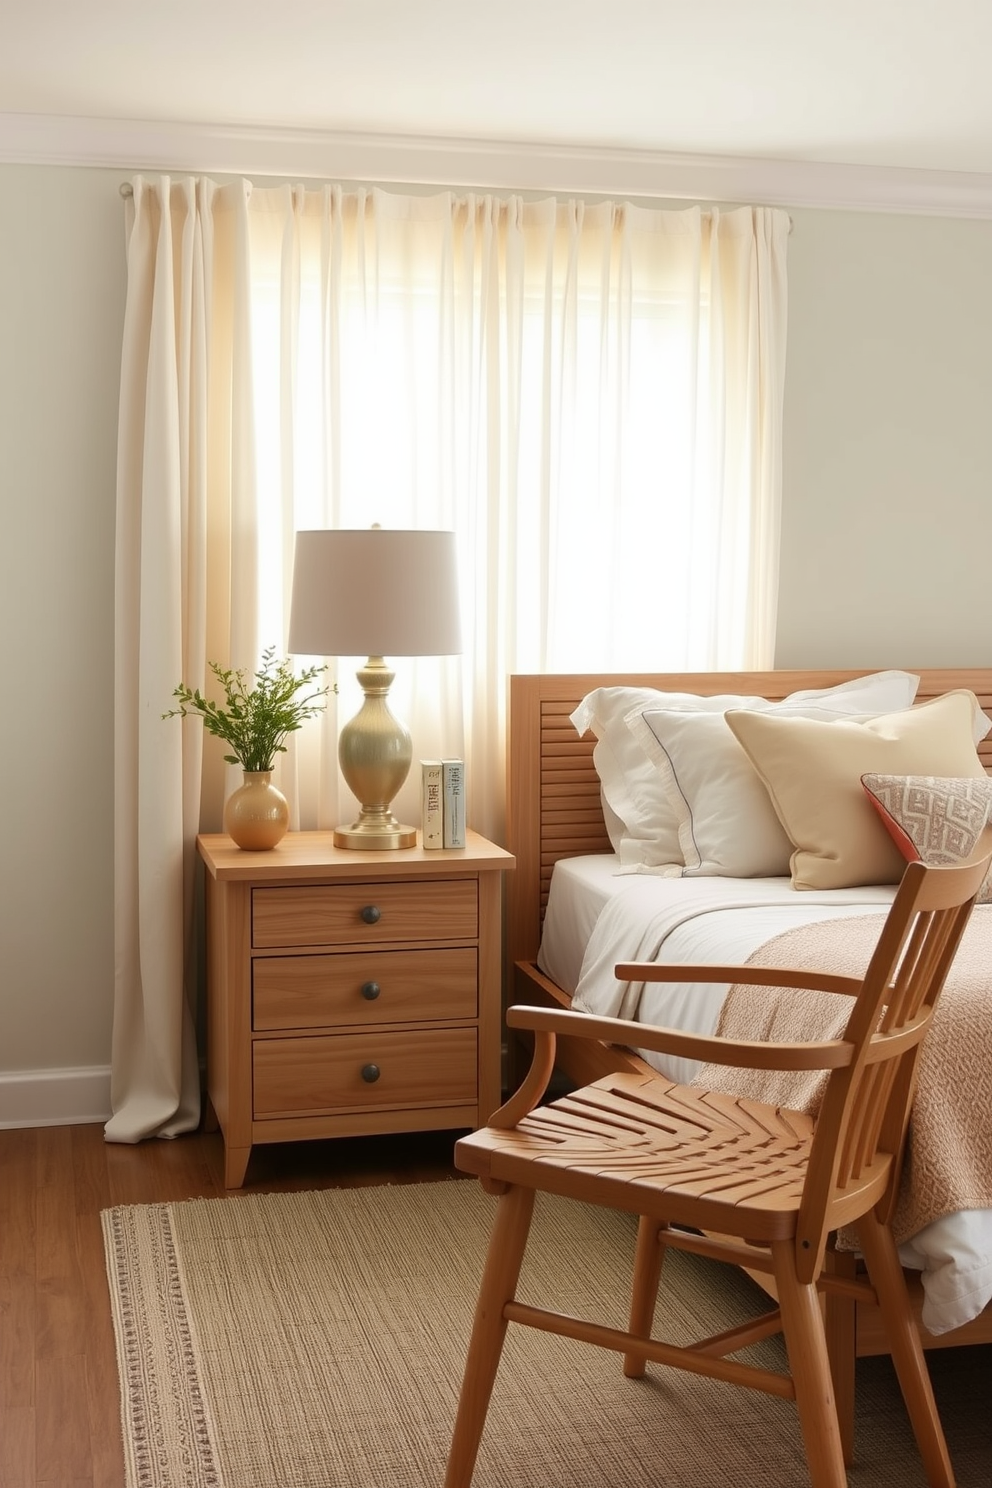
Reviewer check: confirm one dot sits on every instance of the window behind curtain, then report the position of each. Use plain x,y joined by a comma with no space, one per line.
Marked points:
589,395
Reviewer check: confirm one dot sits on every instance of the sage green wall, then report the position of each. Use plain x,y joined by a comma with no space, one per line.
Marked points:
887,520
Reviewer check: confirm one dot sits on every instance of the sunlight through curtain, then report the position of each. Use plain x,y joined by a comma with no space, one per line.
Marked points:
590,396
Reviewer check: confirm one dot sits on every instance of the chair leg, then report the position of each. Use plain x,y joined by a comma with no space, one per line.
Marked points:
648,1258
499,1281
840,1319
809,1364
886,1275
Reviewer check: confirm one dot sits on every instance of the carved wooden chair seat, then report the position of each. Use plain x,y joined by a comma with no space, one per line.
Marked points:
734,1180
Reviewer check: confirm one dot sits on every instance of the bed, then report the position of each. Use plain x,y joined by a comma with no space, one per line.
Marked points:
568,926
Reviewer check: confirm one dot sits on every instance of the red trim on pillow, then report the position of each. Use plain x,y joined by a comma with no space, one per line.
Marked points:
899,836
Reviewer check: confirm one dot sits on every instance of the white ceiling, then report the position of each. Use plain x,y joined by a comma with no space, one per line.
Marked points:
893,85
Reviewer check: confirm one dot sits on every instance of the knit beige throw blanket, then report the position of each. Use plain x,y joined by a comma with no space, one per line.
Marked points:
949,1159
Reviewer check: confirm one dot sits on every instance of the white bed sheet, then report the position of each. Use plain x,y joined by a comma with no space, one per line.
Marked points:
597,915
580,887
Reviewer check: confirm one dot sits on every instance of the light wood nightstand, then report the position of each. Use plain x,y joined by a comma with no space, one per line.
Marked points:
350,992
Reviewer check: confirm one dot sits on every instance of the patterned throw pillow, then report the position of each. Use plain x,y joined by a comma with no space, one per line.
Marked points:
933,819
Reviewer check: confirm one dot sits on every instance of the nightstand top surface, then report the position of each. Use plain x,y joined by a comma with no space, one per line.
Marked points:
312,855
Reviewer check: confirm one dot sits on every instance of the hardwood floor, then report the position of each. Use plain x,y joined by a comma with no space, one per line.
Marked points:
59,1395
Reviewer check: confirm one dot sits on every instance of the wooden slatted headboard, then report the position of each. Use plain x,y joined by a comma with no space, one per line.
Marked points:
553,801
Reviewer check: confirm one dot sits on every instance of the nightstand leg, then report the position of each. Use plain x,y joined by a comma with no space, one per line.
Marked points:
235,1165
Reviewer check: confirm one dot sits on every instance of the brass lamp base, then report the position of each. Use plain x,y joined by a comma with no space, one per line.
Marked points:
368,835
375,752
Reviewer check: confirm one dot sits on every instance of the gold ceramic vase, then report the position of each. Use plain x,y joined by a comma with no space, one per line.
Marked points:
256,815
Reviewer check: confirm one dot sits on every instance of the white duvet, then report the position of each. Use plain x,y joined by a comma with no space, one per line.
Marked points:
597,916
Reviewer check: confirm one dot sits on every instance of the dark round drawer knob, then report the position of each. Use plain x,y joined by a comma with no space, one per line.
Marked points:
370,991
370,1073
371,914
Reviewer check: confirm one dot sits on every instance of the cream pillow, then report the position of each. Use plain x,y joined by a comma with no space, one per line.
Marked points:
637,801
725,821
812,771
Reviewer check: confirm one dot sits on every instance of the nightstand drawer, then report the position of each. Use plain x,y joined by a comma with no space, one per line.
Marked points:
364,988
365,913
364,1071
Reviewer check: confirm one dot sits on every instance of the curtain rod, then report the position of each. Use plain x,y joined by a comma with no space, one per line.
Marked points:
127,190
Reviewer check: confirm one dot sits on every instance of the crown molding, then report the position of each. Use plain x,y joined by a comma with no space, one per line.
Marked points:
142,146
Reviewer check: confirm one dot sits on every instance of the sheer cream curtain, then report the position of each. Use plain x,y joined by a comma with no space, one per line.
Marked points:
185,590
589,395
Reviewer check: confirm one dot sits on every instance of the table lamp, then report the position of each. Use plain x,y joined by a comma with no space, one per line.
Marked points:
376,593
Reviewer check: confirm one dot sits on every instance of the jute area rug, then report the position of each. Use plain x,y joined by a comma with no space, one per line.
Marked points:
317,1340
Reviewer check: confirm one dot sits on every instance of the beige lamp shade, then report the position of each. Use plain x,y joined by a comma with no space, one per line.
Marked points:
375,592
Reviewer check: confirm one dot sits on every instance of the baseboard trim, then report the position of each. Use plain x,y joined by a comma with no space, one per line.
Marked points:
55,1097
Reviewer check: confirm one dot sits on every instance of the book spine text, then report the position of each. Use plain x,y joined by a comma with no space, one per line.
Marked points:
432,803
453,793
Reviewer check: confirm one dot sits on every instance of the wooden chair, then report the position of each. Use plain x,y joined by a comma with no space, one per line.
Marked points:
734,1180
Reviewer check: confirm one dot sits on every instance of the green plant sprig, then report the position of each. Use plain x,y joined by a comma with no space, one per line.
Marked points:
256,718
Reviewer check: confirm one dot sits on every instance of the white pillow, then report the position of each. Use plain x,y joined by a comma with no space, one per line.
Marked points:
639,819
639,813
725,820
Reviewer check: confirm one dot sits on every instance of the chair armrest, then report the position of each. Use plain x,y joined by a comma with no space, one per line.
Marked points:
754,976
709,1048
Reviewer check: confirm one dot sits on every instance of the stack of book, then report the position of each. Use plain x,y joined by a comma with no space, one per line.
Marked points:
443,802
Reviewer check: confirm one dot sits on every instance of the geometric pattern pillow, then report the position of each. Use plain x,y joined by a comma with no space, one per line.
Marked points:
933,819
